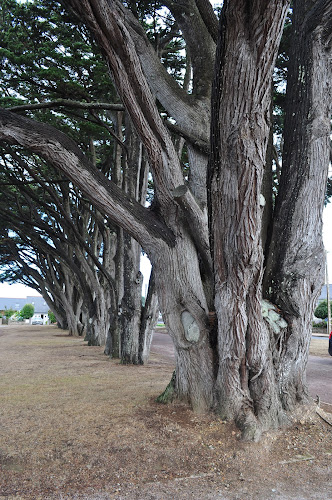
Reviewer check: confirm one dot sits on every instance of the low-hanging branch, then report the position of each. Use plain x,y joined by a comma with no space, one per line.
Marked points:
27,183
62,153
69,104
58,103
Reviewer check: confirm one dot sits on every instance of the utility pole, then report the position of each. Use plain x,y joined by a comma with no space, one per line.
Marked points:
328,300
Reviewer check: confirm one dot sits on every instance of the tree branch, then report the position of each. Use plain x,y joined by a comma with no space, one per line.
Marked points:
196,143
61,216
320,15
108,23
196,219
184,108
63,154
210,19
199,41
68,103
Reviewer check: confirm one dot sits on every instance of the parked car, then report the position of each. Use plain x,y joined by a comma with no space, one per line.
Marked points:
37,321
330,344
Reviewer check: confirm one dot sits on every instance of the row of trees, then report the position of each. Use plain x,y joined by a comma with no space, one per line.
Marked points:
233,233
54,239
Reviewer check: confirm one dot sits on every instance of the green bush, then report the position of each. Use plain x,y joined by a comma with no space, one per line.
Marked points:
321,309
321,324
8,313
51,317
27,311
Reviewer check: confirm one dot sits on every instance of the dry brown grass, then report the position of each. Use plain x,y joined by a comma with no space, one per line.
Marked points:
75,424
319,347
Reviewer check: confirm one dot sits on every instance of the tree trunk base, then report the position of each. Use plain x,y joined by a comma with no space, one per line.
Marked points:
169,393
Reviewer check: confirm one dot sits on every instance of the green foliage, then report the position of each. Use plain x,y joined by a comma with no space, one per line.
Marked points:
8,313
27,311
321,324
45,56
321,309
51,317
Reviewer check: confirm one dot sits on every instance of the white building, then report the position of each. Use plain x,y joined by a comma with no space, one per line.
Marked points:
41,307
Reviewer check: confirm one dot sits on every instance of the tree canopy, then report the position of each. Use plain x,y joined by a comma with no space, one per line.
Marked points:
321,310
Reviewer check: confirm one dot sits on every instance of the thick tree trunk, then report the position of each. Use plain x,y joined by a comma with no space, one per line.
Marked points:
263,344
131,303
185,311
126,331
113,341
149,318
245,58
295,265
98,321
72,303
134,178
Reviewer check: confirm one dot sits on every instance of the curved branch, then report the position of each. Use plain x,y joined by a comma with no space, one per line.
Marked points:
61,216
63,154
108,23
184,108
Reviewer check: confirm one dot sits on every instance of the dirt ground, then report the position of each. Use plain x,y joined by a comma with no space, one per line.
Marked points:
77,425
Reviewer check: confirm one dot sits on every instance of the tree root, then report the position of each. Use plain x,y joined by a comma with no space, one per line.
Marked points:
169,393
298,458
324,416
250,429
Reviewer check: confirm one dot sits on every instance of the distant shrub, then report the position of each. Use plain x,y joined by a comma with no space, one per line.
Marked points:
27,311
51,317
321,309
8,313
321,324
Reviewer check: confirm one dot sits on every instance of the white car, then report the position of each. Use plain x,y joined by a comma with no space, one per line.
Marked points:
37,321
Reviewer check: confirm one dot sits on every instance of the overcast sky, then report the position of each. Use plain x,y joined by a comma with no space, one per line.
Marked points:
327,236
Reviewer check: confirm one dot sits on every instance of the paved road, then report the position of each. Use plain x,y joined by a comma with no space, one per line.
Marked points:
319,371
319,377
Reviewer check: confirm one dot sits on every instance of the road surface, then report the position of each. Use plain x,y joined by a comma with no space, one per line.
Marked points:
319,378
319,371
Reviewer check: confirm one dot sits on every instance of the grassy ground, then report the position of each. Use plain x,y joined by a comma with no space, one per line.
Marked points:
319,347
75,424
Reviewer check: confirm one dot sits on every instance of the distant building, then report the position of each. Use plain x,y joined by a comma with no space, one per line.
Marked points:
41,307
